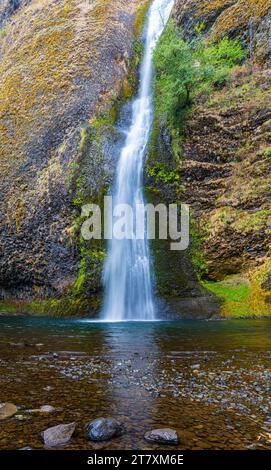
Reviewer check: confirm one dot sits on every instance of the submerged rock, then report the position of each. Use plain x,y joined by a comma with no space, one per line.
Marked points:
42,410
162,436
7,410
21,417
47,409
58,435
103,429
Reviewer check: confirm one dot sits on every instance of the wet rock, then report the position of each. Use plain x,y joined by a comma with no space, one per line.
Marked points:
43,409
103,429
21,417
47,409
7,410
58,435
162,436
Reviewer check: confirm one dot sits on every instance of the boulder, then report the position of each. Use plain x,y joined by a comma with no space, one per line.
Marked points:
58,435
103,429
162,436
7,410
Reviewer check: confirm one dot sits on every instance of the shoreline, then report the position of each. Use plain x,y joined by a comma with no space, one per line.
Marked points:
96,320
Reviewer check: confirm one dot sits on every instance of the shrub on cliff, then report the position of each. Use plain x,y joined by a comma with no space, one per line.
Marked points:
186,69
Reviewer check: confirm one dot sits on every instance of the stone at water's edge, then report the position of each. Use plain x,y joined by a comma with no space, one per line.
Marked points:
7,410
103,429
58,435
162,436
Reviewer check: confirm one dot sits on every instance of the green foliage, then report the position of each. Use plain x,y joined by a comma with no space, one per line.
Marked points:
7,307
267,152
3,32
161,173
196,249
91,264
186,69
200,27
140,19
230,292
241,298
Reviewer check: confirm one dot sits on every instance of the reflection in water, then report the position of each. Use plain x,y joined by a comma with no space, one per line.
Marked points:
206,379
133,354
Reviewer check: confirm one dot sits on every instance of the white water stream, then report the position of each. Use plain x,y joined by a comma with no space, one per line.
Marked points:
127,272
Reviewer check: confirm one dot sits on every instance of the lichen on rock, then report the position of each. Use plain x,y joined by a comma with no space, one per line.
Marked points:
62,64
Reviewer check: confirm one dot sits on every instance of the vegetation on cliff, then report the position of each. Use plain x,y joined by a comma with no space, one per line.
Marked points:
186,70
215,100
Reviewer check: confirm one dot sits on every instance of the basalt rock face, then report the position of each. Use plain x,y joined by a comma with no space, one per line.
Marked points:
247,20
225,167
226,173
180,294
62,64
8,7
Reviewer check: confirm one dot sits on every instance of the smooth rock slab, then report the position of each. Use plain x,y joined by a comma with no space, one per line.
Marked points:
103,429
7,410
58,435
162,436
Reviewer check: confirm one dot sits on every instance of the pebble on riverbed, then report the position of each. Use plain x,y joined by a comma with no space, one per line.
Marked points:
162,436
47,409
58,435
103,429
42,410
7,410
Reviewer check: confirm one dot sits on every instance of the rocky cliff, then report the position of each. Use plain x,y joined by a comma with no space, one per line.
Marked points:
63,68
66,68
248,20
225,165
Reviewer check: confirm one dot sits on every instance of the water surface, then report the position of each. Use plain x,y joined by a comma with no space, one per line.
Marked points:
208,380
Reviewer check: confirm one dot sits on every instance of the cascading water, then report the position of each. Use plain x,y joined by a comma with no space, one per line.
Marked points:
127,273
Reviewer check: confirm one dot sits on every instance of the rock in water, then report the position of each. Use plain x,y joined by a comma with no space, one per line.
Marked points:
58,435
162,436
7,410
103,429
47,409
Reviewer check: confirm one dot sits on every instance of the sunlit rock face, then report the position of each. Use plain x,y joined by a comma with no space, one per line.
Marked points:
62,63
245,19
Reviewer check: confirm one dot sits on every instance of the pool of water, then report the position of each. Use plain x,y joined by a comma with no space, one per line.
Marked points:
208,380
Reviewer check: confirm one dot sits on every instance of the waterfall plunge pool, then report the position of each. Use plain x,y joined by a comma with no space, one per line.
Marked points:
208,380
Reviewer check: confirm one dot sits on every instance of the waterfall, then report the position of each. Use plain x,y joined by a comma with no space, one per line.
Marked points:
127,271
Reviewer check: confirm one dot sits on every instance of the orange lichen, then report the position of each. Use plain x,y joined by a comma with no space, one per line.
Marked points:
235,14
49,47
